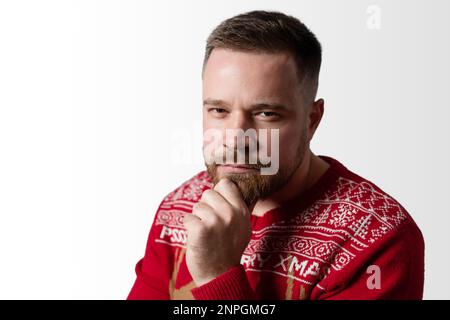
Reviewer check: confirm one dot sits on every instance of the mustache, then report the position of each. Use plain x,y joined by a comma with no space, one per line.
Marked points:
232,156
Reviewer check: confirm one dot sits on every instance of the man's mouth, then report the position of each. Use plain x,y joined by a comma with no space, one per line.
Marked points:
235,168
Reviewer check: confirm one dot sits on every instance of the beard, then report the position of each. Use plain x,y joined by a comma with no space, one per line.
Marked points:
253,185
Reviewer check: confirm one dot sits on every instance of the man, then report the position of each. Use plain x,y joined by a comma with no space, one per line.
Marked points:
313,229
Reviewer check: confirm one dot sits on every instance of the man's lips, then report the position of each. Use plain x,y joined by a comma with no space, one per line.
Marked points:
235,168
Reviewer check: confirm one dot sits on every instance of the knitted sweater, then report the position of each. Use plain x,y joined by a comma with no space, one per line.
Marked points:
344,238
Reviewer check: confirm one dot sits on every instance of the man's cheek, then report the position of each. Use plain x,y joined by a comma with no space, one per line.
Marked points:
285,153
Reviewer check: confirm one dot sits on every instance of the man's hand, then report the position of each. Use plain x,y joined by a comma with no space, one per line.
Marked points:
218,231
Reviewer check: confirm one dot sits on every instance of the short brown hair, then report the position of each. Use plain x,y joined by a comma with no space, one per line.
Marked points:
271,32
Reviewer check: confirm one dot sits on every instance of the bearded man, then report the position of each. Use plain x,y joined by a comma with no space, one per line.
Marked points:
310,228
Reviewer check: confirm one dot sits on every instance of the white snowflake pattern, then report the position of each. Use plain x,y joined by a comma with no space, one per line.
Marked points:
361,226
342,216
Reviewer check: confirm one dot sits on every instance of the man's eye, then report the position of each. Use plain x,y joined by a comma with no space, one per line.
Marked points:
219,111
268,115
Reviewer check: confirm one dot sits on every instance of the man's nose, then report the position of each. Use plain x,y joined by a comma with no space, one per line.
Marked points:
240,120
237,125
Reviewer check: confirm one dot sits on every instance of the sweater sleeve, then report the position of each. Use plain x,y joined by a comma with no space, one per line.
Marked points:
153,271
391,269
230,285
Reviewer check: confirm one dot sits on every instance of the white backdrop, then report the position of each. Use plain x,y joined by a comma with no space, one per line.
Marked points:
100,109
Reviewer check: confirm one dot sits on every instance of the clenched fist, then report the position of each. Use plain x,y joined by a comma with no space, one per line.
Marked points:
218,231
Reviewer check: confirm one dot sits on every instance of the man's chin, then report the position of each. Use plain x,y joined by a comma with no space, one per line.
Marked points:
251,183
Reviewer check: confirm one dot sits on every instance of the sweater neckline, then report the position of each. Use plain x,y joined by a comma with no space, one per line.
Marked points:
301,202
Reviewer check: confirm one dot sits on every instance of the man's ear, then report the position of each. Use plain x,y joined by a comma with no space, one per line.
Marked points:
315,113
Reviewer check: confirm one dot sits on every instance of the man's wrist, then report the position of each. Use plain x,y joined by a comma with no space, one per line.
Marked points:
199,281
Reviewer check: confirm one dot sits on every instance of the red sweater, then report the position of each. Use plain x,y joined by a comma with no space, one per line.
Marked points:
344,238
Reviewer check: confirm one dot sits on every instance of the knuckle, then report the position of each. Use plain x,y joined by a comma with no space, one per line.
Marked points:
199,206
207,194
198,228
213,221
229,184
228,219
229,213
225,183
228,216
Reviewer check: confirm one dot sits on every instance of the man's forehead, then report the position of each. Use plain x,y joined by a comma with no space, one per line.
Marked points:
251,77
225,59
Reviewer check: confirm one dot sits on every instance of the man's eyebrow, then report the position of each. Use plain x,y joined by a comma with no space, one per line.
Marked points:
255,106
214,102
268,105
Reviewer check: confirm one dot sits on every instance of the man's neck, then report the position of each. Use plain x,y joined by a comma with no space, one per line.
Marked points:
306,175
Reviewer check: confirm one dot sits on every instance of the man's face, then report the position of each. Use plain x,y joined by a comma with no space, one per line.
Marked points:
246,90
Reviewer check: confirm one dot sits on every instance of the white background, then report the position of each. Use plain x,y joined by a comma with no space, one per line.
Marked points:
100,118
